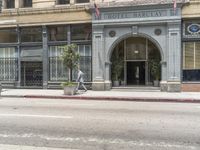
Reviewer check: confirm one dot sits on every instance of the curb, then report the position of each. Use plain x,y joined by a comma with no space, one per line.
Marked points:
109,98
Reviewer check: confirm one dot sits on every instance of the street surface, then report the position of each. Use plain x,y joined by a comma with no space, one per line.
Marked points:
42,124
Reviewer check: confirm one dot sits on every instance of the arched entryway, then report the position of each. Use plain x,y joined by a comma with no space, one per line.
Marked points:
135,61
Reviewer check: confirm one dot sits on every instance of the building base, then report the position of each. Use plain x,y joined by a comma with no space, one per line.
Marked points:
101,86
173,87
163,86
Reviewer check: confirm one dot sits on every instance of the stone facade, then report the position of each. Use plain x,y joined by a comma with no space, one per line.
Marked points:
191,15
138,21
138,18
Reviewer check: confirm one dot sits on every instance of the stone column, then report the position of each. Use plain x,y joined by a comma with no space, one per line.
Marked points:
174,57
45,58
163,83
72,2
17,3
98,59
108,83
19,58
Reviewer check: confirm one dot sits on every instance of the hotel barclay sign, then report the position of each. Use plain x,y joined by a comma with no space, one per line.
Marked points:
137,14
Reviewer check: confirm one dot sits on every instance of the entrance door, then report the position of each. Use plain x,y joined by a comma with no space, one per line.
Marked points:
31,74
135,73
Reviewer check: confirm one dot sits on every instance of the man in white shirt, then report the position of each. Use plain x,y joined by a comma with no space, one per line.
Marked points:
80,80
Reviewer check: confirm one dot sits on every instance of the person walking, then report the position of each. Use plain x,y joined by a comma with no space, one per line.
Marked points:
80,80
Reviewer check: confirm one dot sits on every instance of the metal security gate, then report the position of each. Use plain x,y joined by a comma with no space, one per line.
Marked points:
31,74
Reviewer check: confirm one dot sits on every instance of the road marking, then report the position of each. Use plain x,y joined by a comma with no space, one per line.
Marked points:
198,107
100,141
36,116
22,147
64,104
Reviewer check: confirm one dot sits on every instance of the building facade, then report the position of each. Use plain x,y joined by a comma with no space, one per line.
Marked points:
31,35
135,42
191,46
140,32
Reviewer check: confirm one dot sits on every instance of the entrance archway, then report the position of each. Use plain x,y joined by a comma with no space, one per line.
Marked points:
135,61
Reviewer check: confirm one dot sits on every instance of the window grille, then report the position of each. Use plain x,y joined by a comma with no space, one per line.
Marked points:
8,64
10,4
63,2
58,72
82,1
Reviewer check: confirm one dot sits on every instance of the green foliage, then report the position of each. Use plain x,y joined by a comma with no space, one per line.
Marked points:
117,67
70,57
155,68
68,84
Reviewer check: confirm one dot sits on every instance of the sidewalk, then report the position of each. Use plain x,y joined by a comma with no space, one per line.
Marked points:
117,95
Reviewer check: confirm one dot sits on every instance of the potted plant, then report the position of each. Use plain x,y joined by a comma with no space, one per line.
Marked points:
117,67
155,67
70,59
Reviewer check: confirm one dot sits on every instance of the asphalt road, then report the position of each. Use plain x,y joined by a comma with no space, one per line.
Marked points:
41,124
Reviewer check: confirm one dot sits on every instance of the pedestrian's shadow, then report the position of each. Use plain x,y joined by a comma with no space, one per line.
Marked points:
80,92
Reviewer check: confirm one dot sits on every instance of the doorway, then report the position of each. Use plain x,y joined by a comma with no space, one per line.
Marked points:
135,73
31,74
136,61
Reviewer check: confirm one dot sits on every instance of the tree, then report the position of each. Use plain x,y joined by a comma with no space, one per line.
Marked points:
70,58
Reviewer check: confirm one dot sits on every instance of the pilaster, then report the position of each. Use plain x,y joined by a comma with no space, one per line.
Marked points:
45,58
98,58
174,56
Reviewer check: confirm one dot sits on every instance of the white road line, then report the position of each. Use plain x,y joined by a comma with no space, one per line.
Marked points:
22,147
36,116
158,145
64,104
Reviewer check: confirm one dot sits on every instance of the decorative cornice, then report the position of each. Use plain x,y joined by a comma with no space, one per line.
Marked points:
36,11
123,3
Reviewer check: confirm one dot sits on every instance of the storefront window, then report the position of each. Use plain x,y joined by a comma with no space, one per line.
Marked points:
8,35
31,34
10,4
85,62
56,67
57,33
81,32
8,64
82,1
58,72
60,2
27,3
191,61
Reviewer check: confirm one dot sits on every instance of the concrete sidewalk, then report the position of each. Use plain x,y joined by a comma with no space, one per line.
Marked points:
120,95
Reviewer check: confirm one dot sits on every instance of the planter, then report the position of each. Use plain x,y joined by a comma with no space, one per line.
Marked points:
69,90
156,83
115,83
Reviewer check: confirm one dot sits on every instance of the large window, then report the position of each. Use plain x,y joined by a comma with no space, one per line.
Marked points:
8,64
31,34
81,32
82,1
57,33
61,2
56,67
136,49
10,4
58,72
191,61
85,61
27,3
8,35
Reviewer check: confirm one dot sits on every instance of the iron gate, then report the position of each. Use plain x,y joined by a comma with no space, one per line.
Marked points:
31,74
